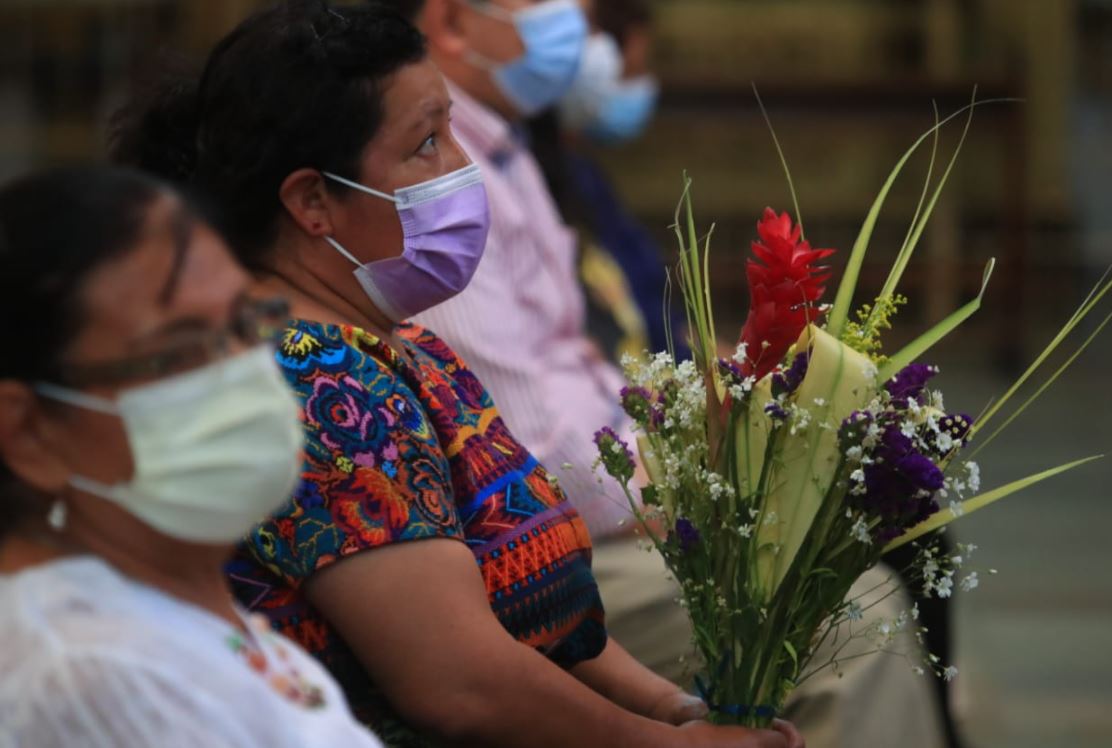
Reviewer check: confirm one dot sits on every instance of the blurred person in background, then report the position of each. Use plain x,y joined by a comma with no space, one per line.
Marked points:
426,558
144,427
611,102
521,324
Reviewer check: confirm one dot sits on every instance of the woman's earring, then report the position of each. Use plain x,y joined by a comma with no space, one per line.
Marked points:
56,517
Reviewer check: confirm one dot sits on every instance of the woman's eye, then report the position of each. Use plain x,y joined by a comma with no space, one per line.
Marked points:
429,146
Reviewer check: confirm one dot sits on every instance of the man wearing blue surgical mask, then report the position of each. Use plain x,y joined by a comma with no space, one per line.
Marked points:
521,323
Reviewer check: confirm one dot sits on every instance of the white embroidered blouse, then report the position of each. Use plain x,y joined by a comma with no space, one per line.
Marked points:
91,658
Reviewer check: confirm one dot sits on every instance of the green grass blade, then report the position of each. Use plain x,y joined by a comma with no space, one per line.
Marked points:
909,248
945,517
924,342
666,311
839,313
1053,377
783,162
926,182
712,335
1094,298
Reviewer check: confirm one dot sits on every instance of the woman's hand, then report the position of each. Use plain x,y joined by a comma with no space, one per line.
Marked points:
787,729
705,735
678,708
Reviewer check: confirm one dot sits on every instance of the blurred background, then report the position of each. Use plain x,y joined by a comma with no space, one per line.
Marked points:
849,84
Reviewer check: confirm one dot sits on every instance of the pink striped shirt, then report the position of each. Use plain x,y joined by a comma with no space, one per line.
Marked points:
520,324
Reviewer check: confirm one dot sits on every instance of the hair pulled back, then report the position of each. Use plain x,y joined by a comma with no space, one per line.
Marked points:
295,86
45,264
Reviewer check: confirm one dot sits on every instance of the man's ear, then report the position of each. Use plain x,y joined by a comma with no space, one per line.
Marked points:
440,21
305,198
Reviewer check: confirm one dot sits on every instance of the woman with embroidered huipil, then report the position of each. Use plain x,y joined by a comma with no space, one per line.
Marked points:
426,557
144,426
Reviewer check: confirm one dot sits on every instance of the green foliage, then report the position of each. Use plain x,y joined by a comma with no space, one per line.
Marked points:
863,336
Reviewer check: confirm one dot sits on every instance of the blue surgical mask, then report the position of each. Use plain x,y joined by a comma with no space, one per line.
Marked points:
553,33
602,104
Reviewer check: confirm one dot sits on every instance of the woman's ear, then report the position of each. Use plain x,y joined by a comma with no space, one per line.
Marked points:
24,448
306,199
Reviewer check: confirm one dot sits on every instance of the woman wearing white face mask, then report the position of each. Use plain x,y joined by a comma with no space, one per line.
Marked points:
426,557
143,428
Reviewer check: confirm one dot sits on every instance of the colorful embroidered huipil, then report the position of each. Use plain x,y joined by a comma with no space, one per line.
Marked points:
397,453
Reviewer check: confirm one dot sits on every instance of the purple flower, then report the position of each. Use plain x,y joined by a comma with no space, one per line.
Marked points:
957,425
900,484
775,412
854,428
731,369
787,382
614,454
687,534
637,402
909,382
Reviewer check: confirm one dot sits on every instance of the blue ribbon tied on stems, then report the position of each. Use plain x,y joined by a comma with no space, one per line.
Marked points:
739,711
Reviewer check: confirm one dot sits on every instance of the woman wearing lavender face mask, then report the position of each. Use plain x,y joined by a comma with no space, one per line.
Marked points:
144,426
426,558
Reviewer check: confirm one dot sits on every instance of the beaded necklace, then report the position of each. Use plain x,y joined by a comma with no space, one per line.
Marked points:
282,675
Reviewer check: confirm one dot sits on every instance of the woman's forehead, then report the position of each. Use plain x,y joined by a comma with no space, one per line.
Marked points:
178,267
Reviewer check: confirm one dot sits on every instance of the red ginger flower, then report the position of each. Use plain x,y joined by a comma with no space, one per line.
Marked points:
782,292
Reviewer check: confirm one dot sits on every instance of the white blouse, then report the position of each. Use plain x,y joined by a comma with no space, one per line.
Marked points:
91,658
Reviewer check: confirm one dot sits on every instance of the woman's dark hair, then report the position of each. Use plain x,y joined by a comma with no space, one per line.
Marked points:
298,85
410,9
56,228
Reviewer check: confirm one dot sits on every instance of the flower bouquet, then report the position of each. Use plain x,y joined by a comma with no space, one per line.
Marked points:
783,472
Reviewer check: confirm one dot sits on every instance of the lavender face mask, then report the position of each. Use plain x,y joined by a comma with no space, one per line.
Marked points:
445,223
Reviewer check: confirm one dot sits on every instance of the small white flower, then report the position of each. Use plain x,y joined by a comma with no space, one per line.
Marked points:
745,531
854,454
740,356
907,428
945,442
819,401
860,532
974,477
950,673
957,508
970,582
857,476
945,586
918,670
567,466
854,612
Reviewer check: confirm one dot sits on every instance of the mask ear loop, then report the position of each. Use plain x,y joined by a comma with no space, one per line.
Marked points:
477,59
77,399
340,248
360,187
493,11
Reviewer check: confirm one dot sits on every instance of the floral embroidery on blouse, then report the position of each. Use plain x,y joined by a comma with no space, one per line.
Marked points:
399,452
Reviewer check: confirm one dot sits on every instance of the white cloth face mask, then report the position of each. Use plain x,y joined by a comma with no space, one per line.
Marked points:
215,449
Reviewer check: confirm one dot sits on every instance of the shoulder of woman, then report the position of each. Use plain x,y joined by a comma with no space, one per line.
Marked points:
86,658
